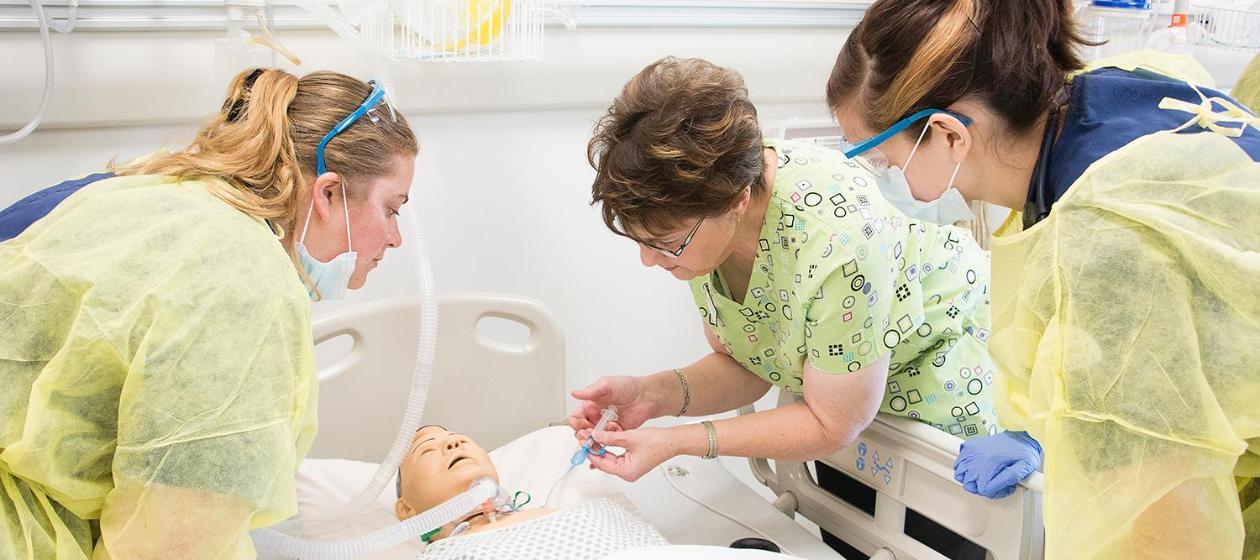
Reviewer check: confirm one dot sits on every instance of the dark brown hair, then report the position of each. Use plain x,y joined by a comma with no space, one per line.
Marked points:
679,143
906,55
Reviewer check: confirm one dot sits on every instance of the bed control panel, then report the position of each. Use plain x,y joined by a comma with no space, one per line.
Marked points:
872,464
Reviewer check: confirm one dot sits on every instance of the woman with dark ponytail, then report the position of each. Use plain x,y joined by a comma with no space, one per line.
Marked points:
156,359
1126,312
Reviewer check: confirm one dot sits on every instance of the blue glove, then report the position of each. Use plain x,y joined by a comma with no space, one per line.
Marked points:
991,466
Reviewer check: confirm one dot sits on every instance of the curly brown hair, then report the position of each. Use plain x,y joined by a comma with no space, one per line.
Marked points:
679,143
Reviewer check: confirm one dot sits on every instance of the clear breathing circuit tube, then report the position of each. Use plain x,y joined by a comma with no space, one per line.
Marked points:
276,542
426,352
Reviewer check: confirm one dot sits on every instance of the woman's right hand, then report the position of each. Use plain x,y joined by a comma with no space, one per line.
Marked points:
628,394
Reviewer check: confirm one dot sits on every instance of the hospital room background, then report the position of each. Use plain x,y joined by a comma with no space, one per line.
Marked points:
502,183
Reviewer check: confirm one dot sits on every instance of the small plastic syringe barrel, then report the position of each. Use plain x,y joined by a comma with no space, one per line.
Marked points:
608,414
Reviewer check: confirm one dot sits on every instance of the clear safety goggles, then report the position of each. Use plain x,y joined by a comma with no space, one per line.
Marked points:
368,107
868,150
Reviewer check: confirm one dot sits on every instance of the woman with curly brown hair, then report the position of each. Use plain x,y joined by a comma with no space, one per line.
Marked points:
157,361
803,277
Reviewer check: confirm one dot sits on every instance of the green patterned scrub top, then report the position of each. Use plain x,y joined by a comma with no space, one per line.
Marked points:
844,278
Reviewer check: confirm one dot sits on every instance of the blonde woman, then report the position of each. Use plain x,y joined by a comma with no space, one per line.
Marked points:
157,365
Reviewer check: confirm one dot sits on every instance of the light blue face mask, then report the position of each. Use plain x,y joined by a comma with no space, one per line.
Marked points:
330,279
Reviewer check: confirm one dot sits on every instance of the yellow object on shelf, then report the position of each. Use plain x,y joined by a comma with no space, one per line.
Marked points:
469,23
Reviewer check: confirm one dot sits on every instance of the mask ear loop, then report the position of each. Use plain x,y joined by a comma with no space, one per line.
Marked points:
307,223
952,176
345,207
916,146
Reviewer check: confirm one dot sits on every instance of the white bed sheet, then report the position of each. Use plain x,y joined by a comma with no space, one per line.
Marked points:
535,461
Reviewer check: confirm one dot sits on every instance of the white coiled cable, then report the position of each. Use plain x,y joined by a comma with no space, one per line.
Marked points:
44,36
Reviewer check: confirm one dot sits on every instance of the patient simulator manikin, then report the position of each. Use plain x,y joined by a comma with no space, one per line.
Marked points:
442,464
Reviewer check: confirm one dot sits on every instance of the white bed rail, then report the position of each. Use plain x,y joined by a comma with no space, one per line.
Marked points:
364,389
910,465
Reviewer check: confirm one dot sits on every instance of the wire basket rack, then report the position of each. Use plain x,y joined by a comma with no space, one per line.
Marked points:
454,30
1234,26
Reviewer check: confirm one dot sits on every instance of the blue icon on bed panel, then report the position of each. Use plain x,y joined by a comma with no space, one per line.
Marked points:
885,469
882,468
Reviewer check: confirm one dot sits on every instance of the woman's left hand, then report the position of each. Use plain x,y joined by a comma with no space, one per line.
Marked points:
645,448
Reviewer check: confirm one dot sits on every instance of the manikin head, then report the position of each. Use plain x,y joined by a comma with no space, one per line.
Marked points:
440,465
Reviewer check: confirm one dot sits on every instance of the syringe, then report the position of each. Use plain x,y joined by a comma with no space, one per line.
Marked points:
606,415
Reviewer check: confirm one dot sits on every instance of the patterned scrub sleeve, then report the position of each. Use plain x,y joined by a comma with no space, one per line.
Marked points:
850,309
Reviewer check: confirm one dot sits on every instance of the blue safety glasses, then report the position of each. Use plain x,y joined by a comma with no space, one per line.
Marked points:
868,148
373,98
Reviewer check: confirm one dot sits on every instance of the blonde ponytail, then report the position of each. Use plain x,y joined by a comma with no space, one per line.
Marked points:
261,145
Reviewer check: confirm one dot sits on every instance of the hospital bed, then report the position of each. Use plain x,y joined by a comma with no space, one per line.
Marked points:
502,393
906,469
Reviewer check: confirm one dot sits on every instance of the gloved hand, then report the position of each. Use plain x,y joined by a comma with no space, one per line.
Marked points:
991,466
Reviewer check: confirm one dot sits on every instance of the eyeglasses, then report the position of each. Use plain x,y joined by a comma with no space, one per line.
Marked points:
868,149
373,99
676,253
679,251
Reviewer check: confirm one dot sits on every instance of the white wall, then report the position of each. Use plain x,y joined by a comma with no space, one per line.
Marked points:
502,185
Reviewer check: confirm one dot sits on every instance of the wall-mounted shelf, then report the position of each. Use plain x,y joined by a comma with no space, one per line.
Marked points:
166,15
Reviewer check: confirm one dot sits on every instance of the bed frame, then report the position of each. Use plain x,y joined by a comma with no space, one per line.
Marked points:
909,465
524,382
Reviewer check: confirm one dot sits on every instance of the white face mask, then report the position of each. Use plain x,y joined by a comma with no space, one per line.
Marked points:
949,208
331,279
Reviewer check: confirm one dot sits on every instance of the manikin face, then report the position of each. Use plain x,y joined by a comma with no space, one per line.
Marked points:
439,466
